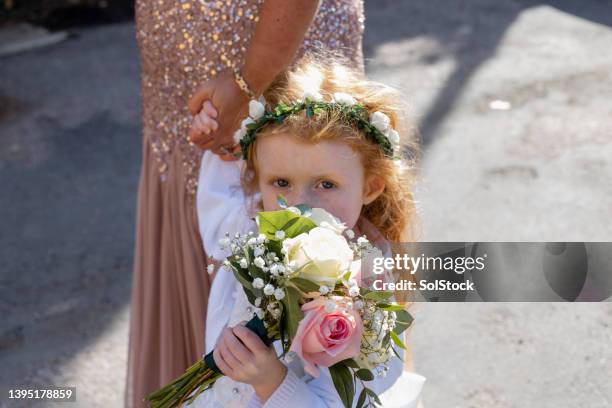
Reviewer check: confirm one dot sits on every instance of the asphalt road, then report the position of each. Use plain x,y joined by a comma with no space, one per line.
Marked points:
513,100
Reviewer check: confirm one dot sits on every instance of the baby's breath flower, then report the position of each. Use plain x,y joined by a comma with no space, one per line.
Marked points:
210,268
279,294
362,240
259,262
280,234
359,304
261,238
258,283
243,263
324,290
354,291
350,234
268,290
224,242
258,251
258,300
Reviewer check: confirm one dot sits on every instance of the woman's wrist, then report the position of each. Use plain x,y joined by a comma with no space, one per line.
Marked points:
266,388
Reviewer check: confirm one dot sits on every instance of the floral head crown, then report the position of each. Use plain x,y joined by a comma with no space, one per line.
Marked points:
375,126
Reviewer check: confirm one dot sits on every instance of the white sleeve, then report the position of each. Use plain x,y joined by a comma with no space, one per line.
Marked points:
320,392
220,202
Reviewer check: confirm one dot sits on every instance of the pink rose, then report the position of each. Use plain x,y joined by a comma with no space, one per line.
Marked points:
325,338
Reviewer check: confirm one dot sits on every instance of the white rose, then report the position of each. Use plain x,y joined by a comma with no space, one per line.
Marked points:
394,137
256,109
380,121
323,255
324,219
313,95
344,99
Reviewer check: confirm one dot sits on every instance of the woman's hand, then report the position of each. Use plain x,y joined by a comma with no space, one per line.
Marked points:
242,356
230,104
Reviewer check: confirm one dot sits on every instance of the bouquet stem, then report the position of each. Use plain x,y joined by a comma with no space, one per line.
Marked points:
199,377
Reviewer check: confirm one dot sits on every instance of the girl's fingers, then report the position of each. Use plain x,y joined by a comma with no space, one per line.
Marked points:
237,348
209,109
229,357
250,340
225,369
199,138
199,124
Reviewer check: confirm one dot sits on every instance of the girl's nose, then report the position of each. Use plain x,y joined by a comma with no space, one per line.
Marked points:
306,196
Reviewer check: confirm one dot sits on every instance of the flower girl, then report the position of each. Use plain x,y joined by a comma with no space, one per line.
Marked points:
327,137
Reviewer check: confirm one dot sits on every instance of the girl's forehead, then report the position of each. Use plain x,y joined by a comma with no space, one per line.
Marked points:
276,153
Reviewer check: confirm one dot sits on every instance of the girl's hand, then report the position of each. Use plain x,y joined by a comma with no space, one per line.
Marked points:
242,356
232,106
204,122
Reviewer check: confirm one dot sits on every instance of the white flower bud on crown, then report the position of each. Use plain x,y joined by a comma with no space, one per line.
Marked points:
238,135
256,109
245,122
380,121
344,99
394,137
313,95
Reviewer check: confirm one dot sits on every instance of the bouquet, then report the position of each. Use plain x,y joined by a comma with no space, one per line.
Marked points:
301,273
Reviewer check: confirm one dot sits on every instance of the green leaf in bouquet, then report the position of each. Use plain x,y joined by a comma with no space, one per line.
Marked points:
343,382
292,312
398,342
288,221
305,209
378,295
349,362
361,399
403,320
305,285
364,374
373,395
389,307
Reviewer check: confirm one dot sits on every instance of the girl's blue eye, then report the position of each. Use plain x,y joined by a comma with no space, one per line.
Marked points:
281,183
327,185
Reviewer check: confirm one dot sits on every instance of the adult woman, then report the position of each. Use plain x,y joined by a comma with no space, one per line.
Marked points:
183,44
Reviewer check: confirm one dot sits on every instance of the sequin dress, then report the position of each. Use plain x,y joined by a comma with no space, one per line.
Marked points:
183,43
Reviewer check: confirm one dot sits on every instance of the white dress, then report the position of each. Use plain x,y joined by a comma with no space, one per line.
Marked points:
221,208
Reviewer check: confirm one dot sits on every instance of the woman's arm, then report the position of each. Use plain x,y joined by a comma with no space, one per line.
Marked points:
278,35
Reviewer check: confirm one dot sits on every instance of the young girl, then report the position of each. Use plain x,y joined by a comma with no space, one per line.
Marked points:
324,160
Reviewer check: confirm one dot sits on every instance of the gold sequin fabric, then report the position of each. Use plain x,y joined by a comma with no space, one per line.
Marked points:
184,43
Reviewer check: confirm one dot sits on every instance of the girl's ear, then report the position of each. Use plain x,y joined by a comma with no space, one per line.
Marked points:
373,187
